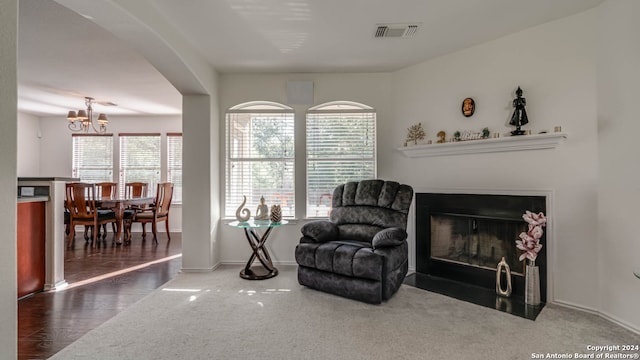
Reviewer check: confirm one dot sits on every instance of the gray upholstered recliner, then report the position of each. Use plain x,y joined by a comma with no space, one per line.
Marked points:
361,251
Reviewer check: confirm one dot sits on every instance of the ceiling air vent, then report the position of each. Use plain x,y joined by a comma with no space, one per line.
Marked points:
396,30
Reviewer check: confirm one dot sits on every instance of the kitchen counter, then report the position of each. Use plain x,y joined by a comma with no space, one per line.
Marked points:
31,246
24,199
54,178
50,191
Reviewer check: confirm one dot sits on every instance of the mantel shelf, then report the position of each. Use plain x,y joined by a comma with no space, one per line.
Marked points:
508,143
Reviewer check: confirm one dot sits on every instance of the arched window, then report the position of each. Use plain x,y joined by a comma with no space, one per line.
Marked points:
341,147
260,156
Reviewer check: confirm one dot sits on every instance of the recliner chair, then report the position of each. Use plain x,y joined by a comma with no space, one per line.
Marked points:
361,252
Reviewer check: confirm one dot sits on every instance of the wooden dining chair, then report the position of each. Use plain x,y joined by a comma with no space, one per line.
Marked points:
157,212
134,190
67,217
108,190
80,201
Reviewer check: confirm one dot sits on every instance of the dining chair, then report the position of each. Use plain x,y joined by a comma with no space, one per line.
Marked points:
157,212
67,218
81,202
106,190
134,190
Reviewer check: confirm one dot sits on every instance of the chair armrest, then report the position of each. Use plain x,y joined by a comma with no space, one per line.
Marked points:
320,231
389,237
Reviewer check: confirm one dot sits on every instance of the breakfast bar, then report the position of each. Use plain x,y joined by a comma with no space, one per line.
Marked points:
41,242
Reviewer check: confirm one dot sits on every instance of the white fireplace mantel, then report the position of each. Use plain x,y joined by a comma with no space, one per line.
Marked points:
508,143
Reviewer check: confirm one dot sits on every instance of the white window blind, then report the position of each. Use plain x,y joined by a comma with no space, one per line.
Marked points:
140,160
341,147
174,165
92,157
260,157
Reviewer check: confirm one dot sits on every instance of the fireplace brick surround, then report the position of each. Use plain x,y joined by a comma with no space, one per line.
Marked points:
473,232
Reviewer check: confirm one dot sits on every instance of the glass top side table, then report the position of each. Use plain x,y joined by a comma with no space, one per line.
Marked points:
257,242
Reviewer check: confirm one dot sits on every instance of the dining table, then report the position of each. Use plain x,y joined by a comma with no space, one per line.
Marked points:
119,205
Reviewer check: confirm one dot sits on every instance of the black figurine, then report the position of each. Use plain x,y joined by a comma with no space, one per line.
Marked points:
519,116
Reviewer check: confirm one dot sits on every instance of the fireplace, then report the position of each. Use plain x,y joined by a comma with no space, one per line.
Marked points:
460,238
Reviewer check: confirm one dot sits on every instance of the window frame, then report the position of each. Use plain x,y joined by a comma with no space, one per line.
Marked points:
122,179
258,108
173,166
76,170
340,108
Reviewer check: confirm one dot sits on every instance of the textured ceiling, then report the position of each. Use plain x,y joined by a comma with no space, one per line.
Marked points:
64,56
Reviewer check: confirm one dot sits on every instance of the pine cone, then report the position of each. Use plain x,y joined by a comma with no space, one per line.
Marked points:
276,214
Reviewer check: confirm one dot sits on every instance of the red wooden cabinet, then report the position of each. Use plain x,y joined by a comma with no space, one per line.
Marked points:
31,247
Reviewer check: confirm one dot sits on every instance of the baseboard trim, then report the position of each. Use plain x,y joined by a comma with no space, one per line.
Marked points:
57,286
199,270
602,314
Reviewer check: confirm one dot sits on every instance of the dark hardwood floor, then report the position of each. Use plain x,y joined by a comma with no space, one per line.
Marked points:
49,321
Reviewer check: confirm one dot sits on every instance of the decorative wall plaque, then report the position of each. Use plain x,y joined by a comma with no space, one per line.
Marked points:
468,107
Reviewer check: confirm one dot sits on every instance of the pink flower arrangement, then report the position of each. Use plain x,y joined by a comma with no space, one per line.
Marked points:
529,241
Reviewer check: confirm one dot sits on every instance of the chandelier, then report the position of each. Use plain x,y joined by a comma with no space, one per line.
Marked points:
83,120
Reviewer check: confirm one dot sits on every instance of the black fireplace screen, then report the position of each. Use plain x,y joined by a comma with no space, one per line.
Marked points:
463,237
475,241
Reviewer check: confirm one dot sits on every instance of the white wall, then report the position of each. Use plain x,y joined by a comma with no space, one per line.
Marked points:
619,174
370,89
554,64
200,246
56,147
28,145
8,182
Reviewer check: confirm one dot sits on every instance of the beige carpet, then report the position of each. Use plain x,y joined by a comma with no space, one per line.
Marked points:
218,315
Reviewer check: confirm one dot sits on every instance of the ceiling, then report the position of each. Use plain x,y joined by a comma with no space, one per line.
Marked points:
64,57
